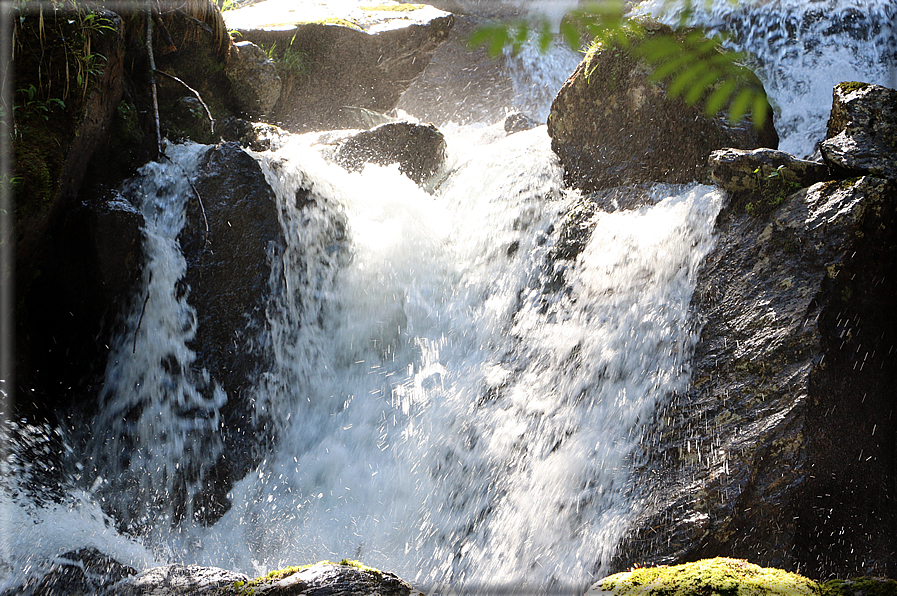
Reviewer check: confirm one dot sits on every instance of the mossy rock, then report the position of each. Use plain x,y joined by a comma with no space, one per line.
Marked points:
862,586
708,577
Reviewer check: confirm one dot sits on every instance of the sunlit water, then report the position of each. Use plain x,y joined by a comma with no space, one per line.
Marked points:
444,409
800,50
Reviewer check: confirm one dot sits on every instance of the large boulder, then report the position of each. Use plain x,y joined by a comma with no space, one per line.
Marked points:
419,149
331,62
611,125
232,242
781,449
862,130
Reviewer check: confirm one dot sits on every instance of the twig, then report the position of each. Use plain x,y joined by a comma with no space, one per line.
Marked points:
194,92
140,321
195,192
152,61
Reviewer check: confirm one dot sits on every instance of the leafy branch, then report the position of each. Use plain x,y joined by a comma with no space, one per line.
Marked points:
694,66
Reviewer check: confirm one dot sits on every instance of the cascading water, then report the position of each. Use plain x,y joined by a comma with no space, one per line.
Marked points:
454,401
801,50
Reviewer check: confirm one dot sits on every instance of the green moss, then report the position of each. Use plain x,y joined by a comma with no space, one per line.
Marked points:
394,7
851,86
867,586
711,577
336,21
359,565
249,588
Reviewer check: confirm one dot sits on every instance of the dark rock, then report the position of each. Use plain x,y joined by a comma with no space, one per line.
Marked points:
461,84
331,66
230,265
92,266
320,579
611,125
179,580
862,131
739,170
782,449
419,149
518,122
77,573
256,84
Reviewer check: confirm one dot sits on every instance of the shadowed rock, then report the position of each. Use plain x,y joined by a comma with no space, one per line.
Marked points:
419,149
256,84
739,170
611,125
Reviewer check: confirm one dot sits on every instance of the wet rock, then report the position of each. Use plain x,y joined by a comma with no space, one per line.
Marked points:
739,170
419,149
518,122
357,58
256,84
232,242
321,579
611,125
332,579
77,573
788,418
179,580
862,131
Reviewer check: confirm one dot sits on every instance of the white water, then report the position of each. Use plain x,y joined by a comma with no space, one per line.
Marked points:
801,50
439,415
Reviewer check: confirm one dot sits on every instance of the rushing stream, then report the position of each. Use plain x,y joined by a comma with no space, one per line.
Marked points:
444,407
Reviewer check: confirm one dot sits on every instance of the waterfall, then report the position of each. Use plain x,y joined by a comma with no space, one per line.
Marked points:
801,50
454,399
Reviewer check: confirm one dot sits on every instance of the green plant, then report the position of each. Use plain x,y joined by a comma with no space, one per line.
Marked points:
291,63
393,7
28,100
771,191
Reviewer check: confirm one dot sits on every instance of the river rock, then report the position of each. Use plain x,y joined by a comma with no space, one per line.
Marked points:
232,242
740,170
861,136
355,58
77,573
255,79
780,450
419,149
321,579
611,125
179,580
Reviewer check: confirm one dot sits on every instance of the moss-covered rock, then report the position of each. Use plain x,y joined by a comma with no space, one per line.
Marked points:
708,577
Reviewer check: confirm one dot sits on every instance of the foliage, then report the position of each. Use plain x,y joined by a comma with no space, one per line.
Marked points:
721,576
393,7
695,67
291,63
772,190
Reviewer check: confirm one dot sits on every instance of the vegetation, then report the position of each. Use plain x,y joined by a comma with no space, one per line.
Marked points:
393,7
695,66
291,63
772,190
718,577
249,588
